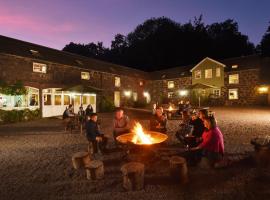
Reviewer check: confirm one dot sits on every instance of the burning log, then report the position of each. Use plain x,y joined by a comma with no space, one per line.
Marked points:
178,169
95,170
133,176
80,159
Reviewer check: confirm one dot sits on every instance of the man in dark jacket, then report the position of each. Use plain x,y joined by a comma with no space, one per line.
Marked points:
93,134
158,122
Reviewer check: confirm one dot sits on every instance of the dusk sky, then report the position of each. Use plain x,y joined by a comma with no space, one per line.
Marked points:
54,23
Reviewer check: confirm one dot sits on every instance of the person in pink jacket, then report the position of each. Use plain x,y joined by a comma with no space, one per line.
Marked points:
212,145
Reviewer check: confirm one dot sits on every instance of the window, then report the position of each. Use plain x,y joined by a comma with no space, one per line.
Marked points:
77,100
170,84
92,100
216,92
217,72
40,68
170,94
85,75
57,100
233,79
84,99
198,74
208,73
135,96
117,81
141,83
234,66
233,94
66,99
47,99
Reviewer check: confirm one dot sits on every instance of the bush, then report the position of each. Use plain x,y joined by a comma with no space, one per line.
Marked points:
106,105
139,104
12,116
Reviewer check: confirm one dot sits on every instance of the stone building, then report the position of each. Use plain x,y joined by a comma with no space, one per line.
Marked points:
55,79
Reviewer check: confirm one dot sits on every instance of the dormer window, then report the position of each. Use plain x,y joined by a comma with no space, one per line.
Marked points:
234,66
34,52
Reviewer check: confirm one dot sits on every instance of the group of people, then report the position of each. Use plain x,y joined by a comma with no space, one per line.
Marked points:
208,139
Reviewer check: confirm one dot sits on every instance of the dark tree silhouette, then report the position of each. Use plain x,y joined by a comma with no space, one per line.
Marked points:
160,43
265,43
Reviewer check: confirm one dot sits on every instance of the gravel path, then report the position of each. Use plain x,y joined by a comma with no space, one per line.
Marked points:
35,163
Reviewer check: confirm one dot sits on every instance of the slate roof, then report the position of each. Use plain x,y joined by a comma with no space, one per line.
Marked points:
25,49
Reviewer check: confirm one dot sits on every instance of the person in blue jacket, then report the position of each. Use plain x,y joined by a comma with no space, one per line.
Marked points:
93,134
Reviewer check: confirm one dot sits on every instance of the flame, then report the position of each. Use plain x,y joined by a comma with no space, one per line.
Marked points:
170,108
140,137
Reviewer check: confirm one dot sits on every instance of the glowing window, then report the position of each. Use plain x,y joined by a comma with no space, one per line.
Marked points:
233,94
217,72
234,79
198,74
85,75
117,81
170,84
39,68
208,73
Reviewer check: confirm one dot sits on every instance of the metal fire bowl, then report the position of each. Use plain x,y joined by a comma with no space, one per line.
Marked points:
157,138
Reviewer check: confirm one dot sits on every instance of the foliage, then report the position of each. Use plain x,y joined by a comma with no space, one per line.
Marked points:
106,105
140,104
159,43
265,43
16,89
12,116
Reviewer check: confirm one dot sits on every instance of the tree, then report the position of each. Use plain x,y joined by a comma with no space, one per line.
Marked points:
265,43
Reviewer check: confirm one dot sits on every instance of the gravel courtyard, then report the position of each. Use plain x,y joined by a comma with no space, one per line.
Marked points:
35,163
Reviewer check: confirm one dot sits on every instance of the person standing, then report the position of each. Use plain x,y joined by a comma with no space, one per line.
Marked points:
89,110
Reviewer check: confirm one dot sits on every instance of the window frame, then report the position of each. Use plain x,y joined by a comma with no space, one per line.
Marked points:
170,84
218,72
230,82
195,74
43,66
231,90
85,75
205,72
117,81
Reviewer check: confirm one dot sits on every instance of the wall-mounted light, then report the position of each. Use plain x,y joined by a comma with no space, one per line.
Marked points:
263,90
146,94
183,92
127,93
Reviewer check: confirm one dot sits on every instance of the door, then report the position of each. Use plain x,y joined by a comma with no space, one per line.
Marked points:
117,99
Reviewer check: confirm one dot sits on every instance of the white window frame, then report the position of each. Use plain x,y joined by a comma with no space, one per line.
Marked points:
233,90
210,75
85,75
231,79
171,84
195,74
170,95
216,94
39,67
117,81
218,72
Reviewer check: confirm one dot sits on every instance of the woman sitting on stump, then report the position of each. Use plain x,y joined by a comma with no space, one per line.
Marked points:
212,145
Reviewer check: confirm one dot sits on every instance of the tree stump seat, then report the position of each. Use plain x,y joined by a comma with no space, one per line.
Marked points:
178,169
133,176
80,159
94,170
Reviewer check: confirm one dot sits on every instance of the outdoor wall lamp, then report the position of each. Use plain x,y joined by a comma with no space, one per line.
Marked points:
183,92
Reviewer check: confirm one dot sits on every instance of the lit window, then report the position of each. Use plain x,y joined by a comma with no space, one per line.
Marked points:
84,99
66,99
85,75
40,68
198,74
141,83
47,99
234,79
216,92
217,72
117,81
57,100
234,66
170,94
208,73
233,94
135,96
77,100
170,84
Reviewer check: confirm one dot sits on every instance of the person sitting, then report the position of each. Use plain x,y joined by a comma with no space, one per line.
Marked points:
184,128
120,124
67,115
197,125
93,135
158,121
89,110
212,145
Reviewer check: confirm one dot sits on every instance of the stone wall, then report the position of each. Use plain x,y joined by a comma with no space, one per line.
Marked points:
248,80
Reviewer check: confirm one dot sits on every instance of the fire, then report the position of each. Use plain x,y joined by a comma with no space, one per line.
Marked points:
170,108
140,137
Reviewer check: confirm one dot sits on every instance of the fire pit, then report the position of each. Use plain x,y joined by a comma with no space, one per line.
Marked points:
140,144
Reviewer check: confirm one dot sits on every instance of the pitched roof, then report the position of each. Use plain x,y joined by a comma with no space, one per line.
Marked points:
207,58
25,49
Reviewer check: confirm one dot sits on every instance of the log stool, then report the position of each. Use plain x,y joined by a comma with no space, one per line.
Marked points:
94,170
80,159
133,176
178,169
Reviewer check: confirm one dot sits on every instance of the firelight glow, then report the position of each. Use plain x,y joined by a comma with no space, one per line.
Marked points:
263,89
139,136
